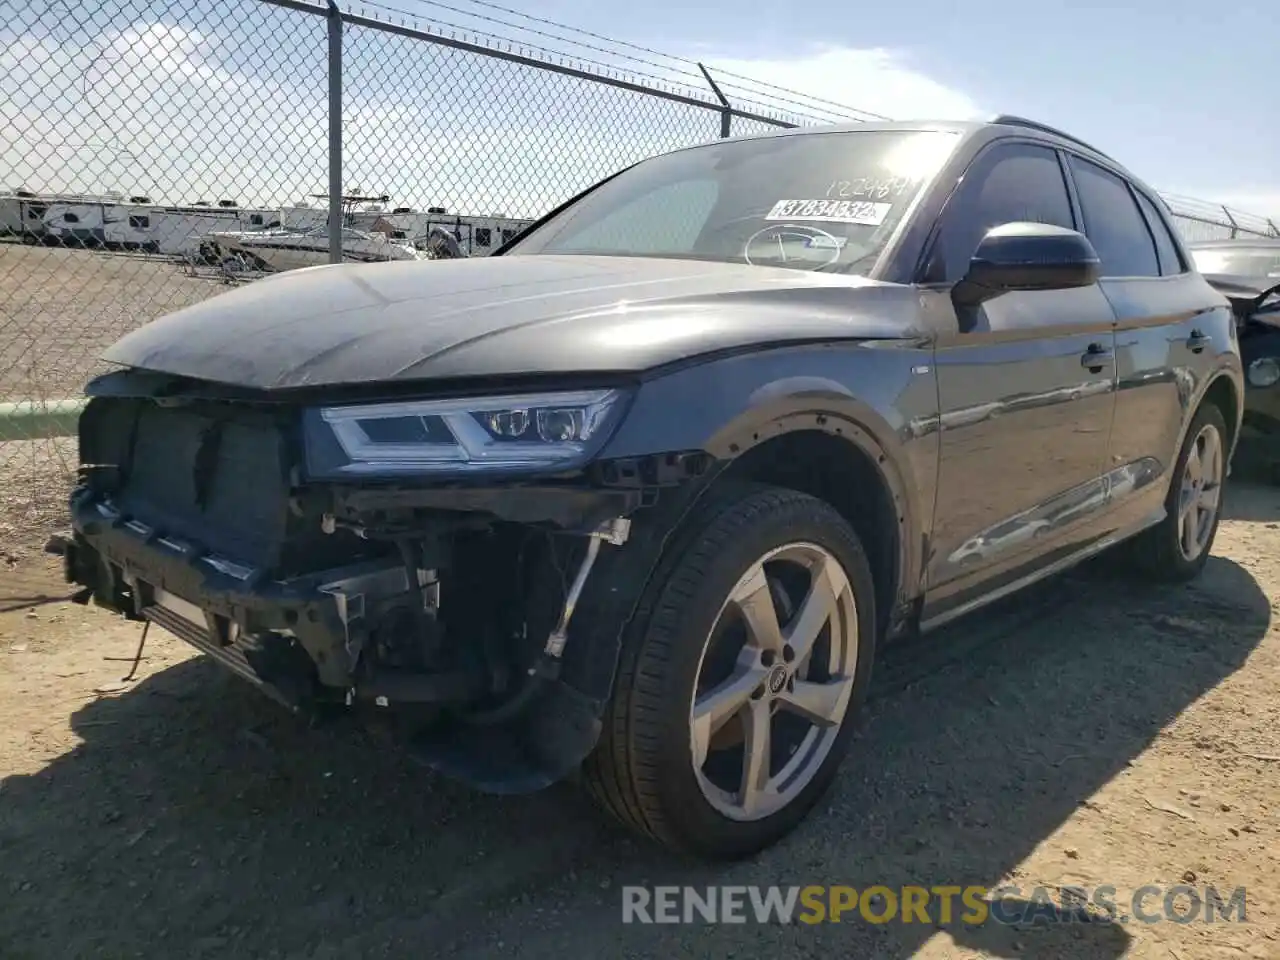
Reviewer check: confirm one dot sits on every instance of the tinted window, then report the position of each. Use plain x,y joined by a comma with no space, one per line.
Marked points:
1113,223
812,201
483,236
1007,184
1166,248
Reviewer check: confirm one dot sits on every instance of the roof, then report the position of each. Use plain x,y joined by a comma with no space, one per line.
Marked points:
1009,122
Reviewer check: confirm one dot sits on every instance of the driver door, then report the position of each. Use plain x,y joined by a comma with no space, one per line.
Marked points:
1026,394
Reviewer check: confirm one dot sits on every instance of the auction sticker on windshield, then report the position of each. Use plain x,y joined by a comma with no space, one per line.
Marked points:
831,211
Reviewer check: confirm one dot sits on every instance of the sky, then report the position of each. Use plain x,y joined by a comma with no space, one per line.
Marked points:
1183,92
187,100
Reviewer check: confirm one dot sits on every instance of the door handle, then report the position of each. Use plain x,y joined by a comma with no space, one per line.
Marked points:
1197,341
1096,357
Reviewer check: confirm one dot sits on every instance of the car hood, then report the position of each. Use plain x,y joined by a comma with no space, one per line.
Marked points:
502,316
1240,286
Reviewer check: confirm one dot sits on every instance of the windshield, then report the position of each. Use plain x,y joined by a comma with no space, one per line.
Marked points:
813,201
1239,261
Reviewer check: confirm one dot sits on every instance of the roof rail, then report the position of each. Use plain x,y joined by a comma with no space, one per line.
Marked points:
1010,120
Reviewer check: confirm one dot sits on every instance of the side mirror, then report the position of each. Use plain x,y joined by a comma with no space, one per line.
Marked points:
1027,256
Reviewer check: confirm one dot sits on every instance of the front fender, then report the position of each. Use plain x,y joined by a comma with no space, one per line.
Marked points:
880,394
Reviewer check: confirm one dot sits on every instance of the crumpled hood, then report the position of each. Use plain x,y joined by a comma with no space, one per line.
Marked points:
497,316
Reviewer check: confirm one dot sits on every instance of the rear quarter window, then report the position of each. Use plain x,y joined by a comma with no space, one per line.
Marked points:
1166,247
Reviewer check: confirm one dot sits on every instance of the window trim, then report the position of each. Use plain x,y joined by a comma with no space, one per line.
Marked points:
1161,212
964,176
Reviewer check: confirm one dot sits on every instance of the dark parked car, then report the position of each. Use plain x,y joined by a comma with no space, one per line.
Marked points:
1247,271
643,494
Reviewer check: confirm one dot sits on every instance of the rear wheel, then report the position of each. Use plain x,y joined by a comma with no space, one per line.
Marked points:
741,676
1177,549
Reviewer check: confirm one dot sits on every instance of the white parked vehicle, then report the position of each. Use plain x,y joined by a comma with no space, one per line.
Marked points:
291,247
138,224
277,250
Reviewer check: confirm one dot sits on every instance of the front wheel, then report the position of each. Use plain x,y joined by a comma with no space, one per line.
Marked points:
741,675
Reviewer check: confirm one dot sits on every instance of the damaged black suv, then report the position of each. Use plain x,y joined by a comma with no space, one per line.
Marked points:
639,496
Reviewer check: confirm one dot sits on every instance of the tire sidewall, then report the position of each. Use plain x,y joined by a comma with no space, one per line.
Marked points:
701,825
1171,529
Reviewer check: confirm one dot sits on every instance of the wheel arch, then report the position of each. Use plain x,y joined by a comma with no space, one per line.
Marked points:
1223,393
1226,393
839,461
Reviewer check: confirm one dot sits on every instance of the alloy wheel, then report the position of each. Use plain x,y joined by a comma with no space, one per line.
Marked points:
774,681
1201,493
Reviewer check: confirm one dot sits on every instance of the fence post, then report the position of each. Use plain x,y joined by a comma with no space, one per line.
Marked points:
1235,227
726,111
335,132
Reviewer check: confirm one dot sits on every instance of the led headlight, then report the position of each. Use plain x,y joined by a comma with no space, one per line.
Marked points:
1264,372
479,433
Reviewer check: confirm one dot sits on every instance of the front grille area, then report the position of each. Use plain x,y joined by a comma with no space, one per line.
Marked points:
214,475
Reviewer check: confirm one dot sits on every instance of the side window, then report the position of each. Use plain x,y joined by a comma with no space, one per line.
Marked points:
1166,249
1021,182
139,222
1113,222
484,236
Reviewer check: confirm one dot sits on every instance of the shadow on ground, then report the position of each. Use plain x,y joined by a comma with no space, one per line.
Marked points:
1258,503
196,820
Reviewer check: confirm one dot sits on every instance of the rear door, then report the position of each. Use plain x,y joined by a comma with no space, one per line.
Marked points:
1167,336
1026,392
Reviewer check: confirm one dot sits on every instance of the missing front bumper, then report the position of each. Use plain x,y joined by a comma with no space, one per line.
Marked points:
300,639
288,637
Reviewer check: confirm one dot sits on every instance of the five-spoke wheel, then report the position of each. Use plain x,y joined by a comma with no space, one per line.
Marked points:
1177,549
740,678
1201,491
774,682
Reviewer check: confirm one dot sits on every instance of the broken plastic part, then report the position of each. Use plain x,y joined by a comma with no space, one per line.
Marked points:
613,531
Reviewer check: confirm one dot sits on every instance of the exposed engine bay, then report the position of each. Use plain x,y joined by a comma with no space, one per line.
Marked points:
444,611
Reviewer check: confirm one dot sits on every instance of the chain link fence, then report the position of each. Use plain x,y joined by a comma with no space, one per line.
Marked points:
147,142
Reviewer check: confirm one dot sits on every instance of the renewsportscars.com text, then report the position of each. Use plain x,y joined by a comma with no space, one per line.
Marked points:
970,905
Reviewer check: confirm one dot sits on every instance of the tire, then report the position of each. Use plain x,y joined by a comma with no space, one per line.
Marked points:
1158,552
643,768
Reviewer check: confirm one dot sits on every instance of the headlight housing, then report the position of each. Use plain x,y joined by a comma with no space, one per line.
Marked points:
1264,372
479,434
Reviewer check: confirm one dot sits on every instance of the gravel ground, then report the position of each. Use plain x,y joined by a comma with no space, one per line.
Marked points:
1089,732
60,308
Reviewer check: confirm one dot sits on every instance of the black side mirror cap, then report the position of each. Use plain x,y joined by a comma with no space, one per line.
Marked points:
1027,256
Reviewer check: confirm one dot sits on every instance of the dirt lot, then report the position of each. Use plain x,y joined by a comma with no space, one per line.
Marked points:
59,310
1093,732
